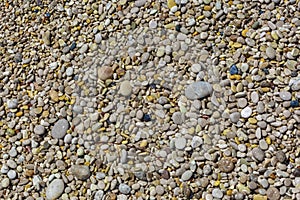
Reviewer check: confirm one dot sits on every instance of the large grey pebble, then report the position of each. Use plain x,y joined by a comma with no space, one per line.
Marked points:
271,53
12,103
60,128
258,154
180,143
124,188
83,49
39,130
217,193
178,118
99,195
273,193
234,117
198,90
5,182
125,88
284,95
246,112
187,175
82,172
55,189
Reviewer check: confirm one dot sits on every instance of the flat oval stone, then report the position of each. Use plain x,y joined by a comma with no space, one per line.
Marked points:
60,128
82,172
198,90
55,189
226,165
285,95
125,88
258,154
246,112
187,175
273,193
270,52
180,143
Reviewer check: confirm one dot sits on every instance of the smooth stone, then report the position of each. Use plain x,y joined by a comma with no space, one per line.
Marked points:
105,73
178,118
83,49
263,144
280,155
69,71
18,57
99,195
124,188
39,130
217,193
260,108
12,104
198,90
196,68
242,103
271,53
46,37
81,172
98,38
125,88
254,97
186,175
226,165
11,174
273,193
285,95
55,189
180,143
246,112
234,117
258,154
5,182
60,128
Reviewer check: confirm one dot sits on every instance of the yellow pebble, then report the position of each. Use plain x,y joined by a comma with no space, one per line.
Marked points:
229,192
88,21
143,144
177,13
268,140
25,107
171,4
207,8
252,120
244,32
19,114
259,197
265,89
200,17
216,183
235,77
237,45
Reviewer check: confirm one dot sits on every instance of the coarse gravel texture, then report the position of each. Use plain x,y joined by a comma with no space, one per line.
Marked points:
174,99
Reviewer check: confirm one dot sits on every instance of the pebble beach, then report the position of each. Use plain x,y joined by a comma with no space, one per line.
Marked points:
149,100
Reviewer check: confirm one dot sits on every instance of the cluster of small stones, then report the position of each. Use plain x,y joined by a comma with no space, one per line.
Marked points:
137,99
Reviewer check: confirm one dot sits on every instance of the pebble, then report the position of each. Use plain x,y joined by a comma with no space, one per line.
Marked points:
180,143
81,172
178,118
5,182
55,189
217,193
258,154
281,157
11,174
196,68
233,70
124,188
271,53
187,175
39,130
285,96
198,90
246,112
105,73
273,193
125,88
60,128
46,37
69,71
234,117
12,104
226,165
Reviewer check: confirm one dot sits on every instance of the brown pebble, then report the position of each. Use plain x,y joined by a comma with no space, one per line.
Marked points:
226,165
105,73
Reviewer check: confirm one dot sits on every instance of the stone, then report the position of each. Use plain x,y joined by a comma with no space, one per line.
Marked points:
196,68
246,112
98,38
55,189
180,143
259,197
270,52
280,155
39,130
285,96
105,73
81,172
60,128
12,104
178,118
125,88
83,49
258,154
242,103
198,90
217,193
186,175
69,71
11,174
18,57
46,37
226,165
273,193
99,195
5,182
234,117
124,188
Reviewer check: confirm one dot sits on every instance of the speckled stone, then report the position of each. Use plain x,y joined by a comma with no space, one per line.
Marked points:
60,128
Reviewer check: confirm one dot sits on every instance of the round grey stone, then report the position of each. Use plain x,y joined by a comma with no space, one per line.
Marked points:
270,52
258,154
55,189
196,68
246,112
99,195
81,172
124,188
39,130
280,155
159,190
217,193
11,174
125,88
273,193
60,128
178,118
11,104
198,90
242,103
234,117
13,152
285,95
69,71
186,175
263,144
180,143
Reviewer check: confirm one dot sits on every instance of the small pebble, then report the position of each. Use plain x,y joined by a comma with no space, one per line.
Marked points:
125,88
180,143
124,188
39,130
60,128
186,175
258,154
82,172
